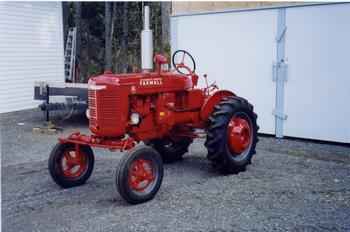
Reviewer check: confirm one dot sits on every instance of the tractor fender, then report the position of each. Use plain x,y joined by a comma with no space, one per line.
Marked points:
211,101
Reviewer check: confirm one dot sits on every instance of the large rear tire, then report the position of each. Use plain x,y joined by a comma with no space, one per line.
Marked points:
69,168
139,175
232,135
171,150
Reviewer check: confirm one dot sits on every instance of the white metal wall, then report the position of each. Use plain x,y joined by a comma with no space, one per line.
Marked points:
318,87
225,46
31,49
237,49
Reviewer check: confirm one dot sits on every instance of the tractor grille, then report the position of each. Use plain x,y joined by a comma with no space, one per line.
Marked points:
106,113
92,108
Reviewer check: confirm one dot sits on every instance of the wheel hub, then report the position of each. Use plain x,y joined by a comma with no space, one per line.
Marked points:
238,135
141,174
73,163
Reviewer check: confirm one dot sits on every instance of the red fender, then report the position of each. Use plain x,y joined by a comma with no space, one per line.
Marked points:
213,100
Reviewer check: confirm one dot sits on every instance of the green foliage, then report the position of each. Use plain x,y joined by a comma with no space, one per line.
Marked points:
167,51
93,36
94,69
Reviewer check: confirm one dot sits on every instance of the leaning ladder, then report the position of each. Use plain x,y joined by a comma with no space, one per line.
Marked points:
69,55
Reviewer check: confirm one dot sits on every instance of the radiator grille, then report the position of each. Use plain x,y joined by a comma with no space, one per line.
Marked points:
92,108
106,114
110,107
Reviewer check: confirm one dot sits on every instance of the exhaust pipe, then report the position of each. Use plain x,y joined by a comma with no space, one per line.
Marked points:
146,43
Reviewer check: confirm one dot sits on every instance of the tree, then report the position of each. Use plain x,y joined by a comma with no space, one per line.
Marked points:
77,22
65,16
124,41
114,16
123,44
165,21
108,38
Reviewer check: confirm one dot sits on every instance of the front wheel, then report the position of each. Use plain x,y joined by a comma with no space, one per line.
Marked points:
70,167
139,175
232,135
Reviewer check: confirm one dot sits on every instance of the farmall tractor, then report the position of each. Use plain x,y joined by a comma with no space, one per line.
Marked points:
154,116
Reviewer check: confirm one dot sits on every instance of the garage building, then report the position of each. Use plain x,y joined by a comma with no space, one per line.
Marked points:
31,49
291,62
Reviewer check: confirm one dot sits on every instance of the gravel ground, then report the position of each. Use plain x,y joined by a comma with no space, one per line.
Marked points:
291,186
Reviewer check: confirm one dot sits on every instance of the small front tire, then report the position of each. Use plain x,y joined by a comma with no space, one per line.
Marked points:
139,175
69,168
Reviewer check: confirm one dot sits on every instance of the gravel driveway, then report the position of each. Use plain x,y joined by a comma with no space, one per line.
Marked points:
291,185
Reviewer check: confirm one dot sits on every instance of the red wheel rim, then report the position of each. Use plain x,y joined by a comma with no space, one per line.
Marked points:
73,163
141,175
239,133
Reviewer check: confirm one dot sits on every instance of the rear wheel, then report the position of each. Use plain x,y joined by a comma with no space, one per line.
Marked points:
232,135
171,150
139,175
69,167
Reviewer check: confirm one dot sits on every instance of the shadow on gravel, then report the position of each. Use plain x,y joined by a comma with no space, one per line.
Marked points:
36,117
35,190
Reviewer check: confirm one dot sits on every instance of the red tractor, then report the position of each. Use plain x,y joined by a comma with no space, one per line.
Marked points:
165,111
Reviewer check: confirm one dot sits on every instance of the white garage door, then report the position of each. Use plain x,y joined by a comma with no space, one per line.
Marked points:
31,49
226,47
318,87
238,49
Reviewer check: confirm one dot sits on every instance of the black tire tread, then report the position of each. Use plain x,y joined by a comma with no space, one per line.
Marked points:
173,153
57,177
216,130
121,184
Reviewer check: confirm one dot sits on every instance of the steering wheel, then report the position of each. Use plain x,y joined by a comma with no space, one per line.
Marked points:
178,65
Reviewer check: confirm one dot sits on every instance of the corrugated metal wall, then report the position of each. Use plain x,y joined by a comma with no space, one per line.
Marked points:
238,49
31,49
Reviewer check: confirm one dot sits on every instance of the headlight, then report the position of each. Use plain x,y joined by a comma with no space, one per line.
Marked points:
134,119
87,113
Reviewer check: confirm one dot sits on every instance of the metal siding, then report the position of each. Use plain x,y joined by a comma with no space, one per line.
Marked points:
280,76
227,47
31,49
236,48
318,87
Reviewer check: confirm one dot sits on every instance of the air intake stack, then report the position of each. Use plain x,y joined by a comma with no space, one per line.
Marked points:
146,43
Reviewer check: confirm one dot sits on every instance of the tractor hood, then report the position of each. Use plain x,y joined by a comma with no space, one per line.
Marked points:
140,83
